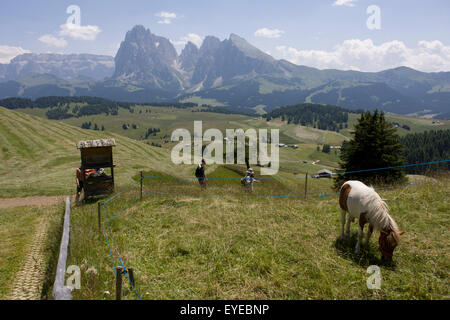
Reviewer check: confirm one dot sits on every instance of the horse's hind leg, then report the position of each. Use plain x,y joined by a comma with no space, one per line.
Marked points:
347,227
342,224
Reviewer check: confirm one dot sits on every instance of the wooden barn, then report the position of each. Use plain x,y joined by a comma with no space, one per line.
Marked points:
97,166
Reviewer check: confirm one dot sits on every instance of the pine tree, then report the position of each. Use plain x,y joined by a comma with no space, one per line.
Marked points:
375,144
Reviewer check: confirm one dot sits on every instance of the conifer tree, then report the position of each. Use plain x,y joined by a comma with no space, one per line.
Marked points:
375,144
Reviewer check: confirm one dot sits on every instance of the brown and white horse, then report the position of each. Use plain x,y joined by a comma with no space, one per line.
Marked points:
363,203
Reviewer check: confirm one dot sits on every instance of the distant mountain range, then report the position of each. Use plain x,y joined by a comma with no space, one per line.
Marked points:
231,72
68,67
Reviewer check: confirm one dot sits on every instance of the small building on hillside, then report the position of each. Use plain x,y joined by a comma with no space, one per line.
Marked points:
324,173
97,166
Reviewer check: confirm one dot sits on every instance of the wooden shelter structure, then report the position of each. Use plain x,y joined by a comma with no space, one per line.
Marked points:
95,155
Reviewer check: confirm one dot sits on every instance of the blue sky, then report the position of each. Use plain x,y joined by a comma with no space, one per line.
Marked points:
323,34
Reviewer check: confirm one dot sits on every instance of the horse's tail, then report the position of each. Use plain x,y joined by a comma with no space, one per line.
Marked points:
343,196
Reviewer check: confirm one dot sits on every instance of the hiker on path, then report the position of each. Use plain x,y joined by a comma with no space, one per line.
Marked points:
200,174
80,186
248,180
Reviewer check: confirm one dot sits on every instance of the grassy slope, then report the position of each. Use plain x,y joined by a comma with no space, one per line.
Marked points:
223,244
39,156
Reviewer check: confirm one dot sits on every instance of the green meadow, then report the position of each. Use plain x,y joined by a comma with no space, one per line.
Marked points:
220,243
224,243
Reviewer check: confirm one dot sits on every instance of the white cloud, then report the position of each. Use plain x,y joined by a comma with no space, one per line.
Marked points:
192,37
50,40
347,3
7,53
79,32
268,33
364,55
166,17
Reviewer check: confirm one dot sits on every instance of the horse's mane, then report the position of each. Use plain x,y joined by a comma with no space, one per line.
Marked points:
378,214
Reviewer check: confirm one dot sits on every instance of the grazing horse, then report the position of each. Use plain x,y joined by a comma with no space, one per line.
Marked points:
363,203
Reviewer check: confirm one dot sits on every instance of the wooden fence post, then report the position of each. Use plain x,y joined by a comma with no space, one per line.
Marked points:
119,283
131,275
99,217
306,183
141,183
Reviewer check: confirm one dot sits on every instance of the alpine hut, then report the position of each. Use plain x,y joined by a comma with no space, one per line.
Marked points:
96,156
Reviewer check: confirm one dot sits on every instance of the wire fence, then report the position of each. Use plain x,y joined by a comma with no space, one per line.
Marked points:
131,201
111,242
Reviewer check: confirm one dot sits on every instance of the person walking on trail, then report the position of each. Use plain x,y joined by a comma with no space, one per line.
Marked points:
249,179
80,186
200,174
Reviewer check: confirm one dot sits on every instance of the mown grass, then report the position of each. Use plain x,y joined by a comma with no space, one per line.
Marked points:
17,228
232,245
39,157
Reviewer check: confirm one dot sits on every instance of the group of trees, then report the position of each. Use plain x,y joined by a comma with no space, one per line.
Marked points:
398,125
227,110
326,148
151,132
427,146
319,116
88,125
126,126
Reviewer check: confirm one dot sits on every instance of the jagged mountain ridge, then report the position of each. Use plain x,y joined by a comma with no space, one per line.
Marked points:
149,59
145,58
231,71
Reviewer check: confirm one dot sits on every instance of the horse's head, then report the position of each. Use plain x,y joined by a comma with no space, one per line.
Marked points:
388,241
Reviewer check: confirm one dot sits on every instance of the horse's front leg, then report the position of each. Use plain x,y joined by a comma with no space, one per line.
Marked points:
360,236
369,233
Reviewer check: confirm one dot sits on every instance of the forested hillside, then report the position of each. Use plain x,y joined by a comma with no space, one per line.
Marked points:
427,146
68,107
319,116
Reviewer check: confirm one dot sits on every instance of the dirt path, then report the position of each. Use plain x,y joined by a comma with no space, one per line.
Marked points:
30,278
31,201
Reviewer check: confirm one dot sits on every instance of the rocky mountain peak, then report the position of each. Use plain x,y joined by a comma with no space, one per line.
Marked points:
189,57
209,45
148,58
